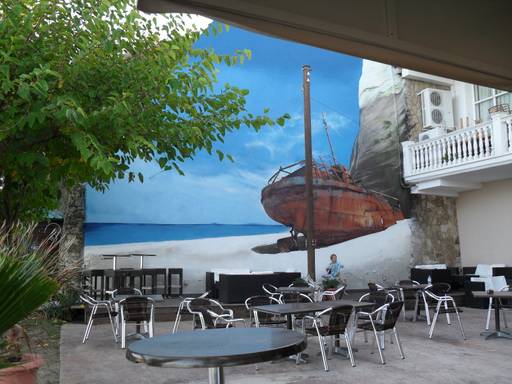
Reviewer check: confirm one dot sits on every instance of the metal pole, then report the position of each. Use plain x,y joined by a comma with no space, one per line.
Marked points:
310,227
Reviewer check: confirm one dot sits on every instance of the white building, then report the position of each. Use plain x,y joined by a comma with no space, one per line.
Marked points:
465,151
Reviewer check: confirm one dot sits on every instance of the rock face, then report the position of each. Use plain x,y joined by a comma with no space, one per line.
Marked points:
375,159
390,112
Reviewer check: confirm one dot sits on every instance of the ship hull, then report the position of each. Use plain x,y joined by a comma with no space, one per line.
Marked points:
342,211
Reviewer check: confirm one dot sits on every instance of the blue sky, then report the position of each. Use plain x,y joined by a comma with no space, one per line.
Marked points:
229,193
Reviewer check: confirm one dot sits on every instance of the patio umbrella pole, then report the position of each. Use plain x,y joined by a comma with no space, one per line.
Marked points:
310,228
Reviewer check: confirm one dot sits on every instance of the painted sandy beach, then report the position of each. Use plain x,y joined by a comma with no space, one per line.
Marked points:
382,256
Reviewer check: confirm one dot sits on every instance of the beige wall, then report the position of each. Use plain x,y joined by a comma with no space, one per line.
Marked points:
485,224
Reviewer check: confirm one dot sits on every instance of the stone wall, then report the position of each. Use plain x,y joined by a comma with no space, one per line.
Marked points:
434,227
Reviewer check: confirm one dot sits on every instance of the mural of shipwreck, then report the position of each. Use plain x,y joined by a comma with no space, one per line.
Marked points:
343,210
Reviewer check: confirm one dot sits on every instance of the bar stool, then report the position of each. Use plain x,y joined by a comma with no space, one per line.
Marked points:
175,282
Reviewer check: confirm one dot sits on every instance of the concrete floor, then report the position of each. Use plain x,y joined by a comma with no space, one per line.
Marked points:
444,359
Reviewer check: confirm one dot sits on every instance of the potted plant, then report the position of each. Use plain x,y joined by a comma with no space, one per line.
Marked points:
26,282
330,284
299,282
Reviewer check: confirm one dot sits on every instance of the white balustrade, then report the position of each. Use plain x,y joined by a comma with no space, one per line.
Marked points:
480,142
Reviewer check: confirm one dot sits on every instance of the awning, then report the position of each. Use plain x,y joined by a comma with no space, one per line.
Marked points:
467,40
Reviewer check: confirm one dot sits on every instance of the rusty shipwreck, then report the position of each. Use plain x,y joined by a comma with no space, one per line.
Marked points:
343,210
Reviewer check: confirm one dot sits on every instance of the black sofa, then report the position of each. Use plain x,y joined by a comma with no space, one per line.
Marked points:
234,289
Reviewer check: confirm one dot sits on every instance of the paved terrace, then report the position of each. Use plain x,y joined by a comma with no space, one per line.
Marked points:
444,359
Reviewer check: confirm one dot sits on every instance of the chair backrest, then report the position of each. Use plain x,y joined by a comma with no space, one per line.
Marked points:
200,307
269,289
255,301
215,307
378,297
373,287
137,308
338,319
440,289
499,282
88,299
392,312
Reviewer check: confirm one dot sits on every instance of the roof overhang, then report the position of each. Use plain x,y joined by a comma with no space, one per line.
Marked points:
465,40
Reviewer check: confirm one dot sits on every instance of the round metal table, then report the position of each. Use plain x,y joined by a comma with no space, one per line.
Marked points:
217,348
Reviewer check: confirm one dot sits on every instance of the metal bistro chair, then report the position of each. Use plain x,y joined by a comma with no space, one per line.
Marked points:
336,326
381,320
204,310
378,299
333,295
94,305
137,309
407,296
286,298
222,316
183,310
115,298
438,293
262,319
270,289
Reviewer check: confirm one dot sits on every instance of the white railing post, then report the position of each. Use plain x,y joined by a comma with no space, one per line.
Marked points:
499,134
407,158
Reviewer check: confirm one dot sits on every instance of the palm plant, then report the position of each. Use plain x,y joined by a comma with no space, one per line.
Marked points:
30,273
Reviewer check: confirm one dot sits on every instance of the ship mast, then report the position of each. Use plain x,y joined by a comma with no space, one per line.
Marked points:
310,225
326,127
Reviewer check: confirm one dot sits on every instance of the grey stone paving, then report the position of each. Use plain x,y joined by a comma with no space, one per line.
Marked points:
444,359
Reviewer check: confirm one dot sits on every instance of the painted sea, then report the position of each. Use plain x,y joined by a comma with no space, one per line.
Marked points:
112,233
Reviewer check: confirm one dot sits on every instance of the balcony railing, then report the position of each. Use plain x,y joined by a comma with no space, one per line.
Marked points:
465,146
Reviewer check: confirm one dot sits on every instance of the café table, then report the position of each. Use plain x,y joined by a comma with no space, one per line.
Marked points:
217,348
290,309
496,296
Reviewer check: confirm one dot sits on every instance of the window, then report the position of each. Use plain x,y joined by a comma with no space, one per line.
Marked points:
486,98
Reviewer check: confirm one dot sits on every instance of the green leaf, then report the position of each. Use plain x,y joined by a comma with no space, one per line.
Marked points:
24,92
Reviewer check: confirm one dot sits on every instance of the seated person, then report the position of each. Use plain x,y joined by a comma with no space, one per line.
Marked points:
333,269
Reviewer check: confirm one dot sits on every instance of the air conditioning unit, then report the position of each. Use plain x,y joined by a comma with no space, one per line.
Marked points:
436,108
432,133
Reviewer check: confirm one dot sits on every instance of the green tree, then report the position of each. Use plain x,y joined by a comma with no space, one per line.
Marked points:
88,86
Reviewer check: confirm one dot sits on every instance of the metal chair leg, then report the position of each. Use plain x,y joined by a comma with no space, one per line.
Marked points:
447,314
322,351
378,344
398,342
434,320
112,325
427,310
489,310
460,322
349,349
88,327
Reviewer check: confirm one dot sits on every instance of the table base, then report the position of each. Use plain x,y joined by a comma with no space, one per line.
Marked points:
496,335
216,375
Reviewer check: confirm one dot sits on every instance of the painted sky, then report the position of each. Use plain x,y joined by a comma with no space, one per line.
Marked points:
229,193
